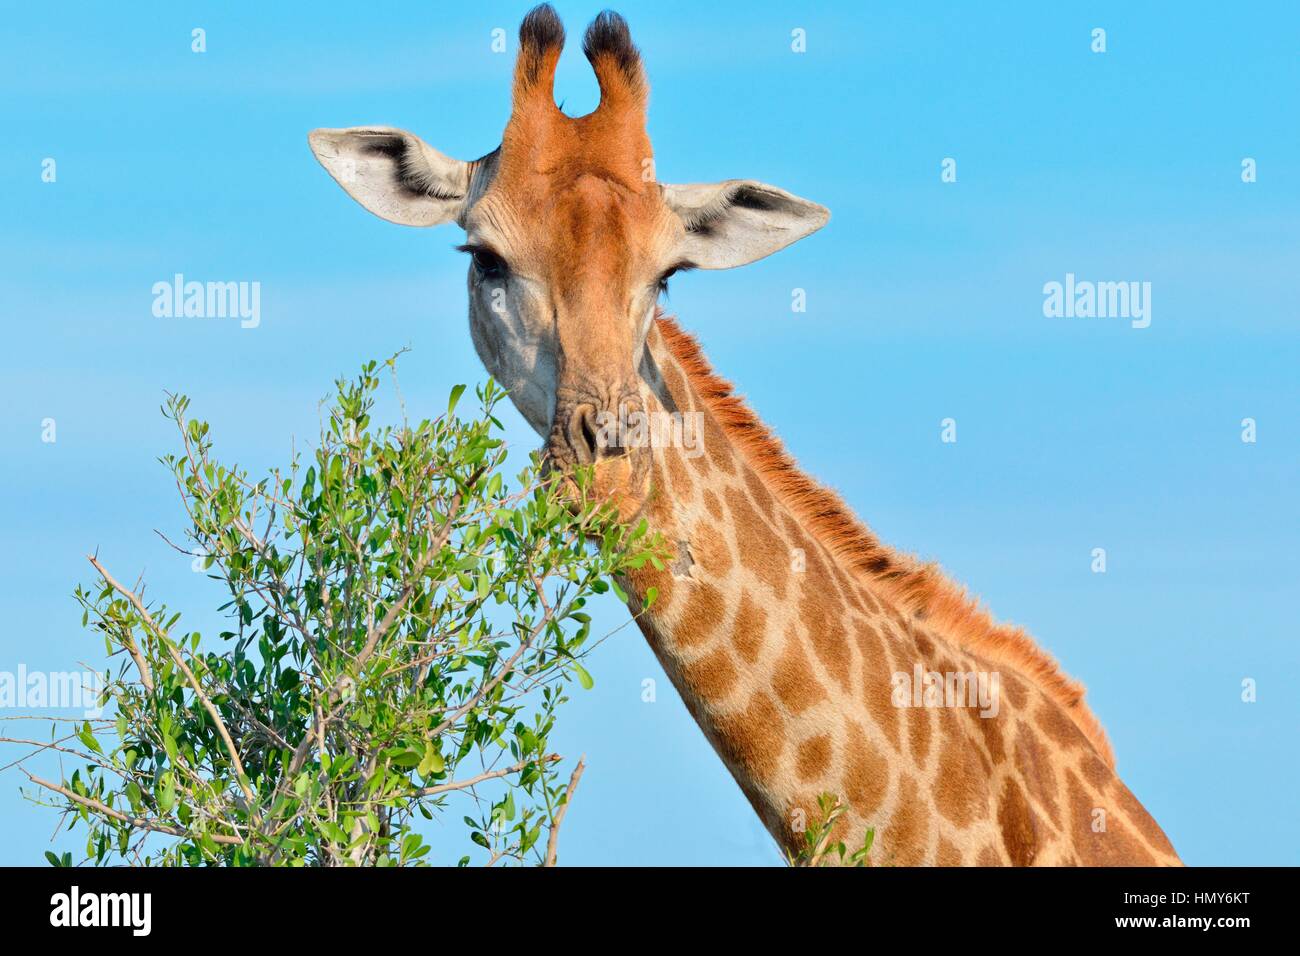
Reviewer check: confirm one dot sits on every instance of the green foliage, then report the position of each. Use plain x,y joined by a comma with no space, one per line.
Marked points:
402,630
820,849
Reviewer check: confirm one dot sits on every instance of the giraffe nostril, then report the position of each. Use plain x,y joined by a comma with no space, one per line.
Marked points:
583,433
594,435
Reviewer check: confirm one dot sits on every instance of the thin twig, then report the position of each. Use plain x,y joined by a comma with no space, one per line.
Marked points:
140,823
489,775
131,596
553,841
824,843
141,665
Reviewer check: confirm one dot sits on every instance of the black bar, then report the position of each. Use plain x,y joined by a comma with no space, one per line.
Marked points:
819,906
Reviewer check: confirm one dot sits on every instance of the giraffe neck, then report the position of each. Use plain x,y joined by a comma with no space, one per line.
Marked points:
787,660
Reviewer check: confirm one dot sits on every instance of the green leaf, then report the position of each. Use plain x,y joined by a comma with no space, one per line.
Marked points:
87,737
583,677
167,793
408,758
432,762
456,393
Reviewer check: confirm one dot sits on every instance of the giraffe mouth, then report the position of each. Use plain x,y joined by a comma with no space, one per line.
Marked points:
623,481
593,463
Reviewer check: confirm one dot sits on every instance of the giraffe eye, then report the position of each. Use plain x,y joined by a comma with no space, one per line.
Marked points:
663,279
487,264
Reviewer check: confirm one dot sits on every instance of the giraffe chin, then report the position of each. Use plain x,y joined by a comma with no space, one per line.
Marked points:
622,482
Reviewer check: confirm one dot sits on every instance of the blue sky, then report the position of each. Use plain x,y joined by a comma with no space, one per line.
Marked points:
924,302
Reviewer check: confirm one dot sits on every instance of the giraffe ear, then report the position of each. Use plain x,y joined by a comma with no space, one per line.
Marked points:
736,222
394,174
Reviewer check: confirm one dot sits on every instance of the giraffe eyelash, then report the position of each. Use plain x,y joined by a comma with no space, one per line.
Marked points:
662,284
488,263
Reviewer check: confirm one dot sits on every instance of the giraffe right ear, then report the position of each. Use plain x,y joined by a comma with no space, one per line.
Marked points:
736,222
394,174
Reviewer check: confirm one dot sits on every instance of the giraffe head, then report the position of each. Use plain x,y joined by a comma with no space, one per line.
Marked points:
571,238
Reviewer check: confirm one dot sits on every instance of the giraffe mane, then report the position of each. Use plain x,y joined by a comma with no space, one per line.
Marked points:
921,588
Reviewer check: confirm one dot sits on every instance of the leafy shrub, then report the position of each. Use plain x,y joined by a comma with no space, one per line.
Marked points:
402,631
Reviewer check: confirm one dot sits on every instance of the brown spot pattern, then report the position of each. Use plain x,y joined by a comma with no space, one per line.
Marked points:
918,735
701,615
877,684
989,728
683,485
949,855
905,838
750,631
711,551
718,448
866,776
1095,772
793,680
753,738
762,497
1114,846
1057,725
1141,820
814,757
826,633
713,504
1015,689
1015,820
960,786
1036,772
760,550
711,676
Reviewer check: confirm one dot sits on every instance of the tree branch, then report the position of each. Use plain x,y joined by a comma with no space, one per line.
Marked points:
553,840
140,823
489,775
179,661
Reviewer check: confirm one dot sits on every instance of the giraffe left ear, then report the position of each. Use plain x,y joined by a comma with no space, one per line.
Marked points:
394,174
736,222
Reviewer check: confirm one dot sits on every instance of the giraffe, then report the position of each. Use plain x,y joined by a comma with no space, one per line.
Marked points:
814,658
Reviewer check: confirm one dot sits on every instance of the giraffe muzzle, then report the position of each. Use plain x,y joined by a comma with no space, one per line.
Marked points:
587,431
603,435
